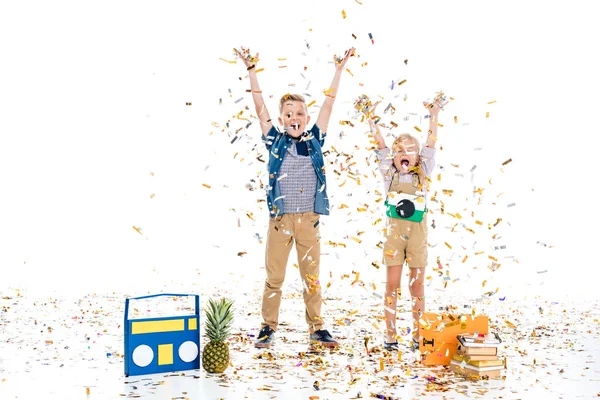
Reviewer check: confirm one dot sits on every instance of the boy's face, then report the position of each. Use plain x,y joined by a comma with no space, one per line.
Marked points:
294,117
405,155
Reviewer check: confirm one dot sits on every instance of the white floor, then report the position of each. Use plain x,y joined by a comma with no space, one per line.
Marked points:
57,347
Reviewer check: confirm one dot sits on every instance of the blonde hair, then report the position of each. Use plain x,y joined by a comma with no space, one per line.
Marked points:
423,183
291,97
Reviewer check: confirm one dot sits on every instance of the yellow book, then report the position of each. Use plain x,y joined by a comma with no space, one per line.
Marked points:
478,363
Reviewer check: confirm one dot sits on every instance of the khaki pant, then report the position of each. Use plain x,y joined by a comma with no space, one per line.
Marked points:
405,241
303,229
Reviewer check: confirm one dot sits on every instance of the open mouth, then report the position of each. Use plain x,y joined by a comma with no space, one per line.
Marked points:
295,126
404,163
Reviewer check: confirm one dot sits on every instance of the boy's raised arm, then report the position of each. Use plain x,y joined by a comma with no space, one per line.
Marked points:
259,103
325,113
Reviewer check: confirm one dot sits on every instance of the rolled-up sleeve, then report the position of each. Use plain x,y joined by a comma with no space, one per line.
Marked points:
271,136
427,160
385,164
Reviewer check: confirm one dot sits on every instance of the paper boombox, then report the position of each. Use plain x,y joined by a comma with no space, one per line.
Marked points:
158,345
405,206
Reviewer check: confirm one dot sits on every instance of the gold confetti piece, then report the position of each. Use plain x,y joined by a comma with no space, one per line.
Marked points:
478,222
439,178
327,91
152,196
400,83
487,114
507,161
491,102
483,283
378,220
375,265
188,103
446,243
492,258
381,364
510,324
87,391
350,72
357,240
455,119
228,61
138,230
497,221
356,278
250,215
206,186
465,259
343,14
283,66
259,70
282,59
360,209
311,103
417,129
151,173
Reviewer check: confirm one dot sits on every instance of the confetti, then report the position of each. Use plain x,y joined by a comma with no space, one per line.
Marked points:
343,14
507,161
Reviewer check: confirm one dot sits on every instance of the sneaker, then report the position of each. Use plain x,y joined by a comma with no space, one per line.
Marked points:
415,344
265,337
390,346
323,338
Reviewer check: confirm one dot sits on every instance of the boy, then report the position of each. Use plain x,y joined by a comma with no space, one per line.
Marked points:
296,197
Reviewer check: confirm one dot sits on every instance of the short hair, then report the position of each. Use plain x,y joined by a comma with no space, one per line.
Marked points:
292,97
406,136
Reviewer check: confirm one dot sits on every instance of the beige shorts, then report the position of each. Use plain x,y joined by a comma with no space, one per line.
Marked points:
405,241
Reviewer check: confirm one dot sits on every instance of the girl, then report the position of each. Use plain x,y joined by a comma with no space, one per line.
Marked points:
405,169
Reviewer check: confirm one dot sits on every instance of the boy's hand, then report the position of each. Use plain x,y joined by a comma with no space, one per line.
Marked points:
244,55
340,62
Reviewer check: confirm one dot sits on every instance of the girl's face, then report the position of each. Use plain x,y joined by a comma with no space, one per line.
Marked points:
294,117
406,155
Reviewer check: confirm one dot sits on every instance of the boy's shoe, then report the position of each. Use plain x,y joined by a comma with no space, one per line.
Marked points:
390,346
323,338
414,344
265,337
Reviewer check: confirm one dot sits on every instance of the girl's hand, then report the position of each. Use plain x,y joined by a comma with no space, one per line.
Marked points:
244,55
340,62
438,103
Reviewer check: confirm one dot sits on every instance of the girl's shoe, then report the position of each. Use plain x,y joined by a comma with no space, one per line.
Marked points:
390,346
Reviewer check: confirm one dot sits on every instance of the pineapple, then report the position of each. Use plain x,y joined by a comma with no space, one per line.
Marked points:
219,317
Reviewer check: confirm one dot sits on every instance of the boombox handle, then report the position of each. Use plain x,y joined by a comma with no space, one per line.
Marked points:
197,302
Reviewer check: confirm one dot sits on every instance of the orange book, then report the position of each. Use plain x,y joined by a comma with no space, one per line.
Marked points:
490,373
477,357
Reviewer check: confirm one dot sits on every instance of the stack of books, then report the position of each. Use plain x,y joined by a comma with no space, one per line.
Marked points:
477,355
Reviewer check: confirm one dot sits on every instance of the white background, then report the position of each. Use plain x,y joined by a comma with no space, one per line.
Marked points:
92,101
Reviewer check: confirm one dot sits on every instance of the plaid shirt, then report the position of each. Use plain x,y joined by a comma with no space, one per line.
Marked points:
278,143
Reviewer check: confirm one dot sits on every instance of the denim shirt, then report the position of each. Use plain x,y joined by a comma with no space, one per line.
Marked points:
277,143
